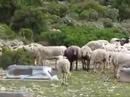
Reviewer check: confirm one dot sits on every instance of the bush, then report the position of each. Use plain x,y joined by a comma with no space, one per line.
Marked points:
15,57
82,35
54,38
70,35
6,32
112,13
26,34
55,8
90,14
107,23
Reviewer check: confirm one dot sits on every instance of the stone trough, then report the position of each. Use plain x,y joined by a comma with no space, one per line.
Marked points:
15,94
124,75
30,72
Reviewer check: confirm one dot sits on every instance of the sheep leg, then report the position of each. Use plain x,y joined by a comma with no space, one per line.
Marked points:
96,66
102,67
66,76
76,64
118,72
56,65
83,62
35,62
71,66
115,71
88,65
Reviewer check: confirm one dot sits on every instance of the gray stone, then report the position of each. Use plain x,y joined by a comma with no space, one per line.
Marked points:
15,94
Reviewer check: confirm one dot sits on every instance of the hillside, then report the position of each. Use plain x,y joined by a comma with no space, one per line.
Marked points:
64,22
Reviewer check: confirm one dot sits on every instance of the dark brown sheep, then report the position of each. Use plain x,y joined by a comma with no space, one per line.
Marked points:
73,53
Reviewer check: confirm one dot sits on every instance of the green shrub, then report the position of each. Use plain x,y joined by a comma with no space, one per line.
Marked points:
15,57
107,23
90,14
112,13
6,32
54,38
70,35
82,35
26,34
55,8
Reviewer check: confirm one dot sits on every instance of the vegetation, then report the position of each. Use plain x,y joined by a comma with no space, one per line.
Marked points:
15,57
79,35
34,20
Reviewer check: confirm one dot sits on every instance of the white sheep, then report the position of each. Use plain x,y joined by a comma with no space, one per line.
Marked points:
42,53
63,66
127,45
86,54
103,41
99,58
95,45
114,40
119,60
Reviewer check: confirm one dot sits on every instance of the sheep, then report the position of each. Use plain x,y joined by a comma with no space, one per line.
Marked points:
86,54
113,40
64,67
94,45
42,53
109,47
119,60
99,57
51,52
34,50
73,53
124,41
127,45
105,42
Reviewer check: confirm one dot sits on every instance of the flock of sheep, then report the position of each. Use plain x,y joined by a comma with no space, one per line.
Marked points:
93,55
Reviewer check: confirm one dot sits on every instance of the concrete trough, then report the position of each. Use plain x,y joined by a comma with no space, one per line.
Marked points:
15,94
30,72
124,75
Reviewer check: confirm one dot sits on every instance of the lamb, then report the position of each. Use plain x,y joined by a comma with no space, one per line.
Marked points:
73,53
64,67
99,57
86,54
